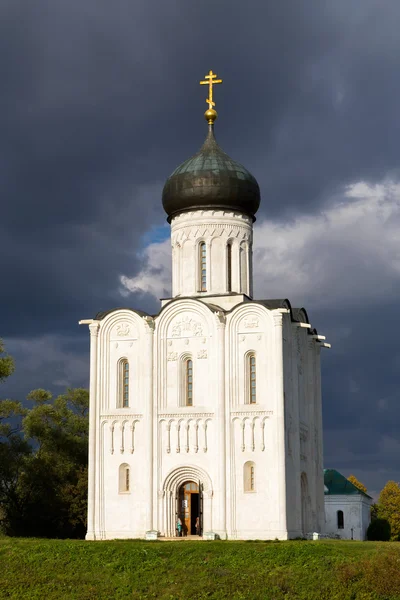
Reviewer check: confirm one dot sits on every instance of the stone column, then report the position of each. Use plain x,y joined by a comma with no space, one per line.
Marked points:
147,374
220,496
94,336
280,425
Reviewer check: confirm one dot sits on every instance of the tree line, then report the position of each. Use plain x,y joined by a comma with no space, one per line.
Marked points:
385,514
43,467
43,462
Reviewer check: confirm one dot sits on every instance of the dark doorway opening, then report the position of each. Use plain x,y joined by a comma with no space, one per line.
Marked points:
194,513
190,509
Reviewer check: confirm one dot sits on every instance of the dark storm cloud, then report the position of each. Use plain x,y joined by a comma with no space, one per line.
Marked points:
100,102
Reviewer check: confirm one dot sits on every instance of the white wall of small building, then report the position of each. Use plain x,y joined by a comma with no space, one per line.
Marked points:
356,515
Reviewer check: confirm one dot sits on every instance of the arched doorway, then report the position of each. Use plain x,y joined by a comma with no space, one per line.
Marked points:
170,499
190,508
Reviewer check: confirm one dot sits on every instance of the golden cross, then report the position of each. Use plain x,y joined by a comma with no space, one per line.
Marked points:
211,80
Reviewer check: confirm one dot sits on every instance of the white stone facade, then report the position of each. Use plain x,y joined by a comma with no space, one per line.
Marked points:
353,523
256,459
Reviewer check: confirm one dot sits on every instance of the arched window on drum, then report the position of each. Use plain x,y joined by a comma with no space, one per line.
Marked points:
229,267
202,267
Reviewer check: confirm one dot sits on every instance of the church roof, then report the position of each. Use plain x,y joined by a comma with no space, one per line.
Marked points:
297,315
102,314
211,180
336,484
300,315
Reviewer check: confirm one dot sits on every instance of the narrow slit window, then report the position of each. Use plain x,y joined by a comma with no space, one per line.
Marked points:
127,479
229,266
189,382
123,384
249,477
340,519
124,479
252,478
203,267
252,379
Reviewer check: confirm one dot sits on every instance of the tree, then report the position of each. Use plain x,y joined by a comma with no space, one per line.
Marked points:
378,531
50,491
389,507
7,365
13,449
374,511
43,461
357,483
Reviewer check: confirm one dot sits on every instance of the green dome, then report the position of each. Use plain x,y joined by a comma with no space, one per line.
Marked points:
211,180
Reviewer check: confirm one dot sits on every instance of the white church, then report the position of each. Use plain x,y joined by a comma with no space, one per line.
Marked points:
209,413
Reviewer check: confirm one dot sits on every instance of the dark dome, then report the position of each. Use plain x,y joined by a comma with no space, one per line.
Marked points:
211,179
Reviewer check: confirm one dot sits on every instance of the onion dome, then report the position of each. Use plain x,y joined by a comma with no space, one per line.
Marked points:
211,180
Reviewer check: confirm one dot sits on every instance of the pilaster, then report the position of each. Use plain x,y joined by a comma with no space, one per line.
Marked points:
220,516
94,336
147,375
280,421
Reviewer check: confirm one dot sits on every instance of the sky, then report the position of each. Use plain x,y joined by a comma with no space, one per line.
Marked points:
100,101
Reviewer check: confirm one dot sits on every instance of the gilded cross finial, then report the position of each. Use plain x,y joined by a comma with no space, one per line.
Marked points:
210,80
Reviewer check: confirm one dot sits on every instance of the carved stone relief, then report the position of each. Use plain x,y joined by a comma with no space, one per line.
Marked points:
186,325
250,322
123,330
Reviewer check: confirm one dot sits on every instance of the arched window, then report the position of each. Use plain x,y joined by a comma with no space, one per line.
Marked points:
243,268
202,267
123,383
340,519
124,479
251,378
229,267
249,477
189,382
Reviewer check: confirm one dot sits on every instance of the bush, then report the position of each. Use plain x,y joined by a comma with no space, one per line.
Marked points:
379,530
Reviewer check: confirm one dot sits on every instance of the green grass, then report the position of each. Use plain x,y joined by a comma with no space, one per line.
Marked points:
66,569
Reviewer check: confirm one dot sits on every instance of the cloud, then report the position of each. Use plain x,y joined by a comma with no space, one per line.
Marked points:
156,274
345,254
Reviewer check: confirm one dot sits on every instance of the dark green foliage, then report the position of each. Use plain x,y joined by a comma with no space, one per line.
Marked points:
43,465
6,363
374,511
186,570
43,462
379,530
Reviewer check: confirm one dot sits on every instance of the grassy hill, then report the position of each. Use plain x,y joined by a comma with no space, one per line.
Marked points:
66,569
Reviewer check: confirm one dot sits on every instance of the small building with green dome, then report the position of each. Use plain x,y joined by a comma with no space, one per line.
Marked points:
347,508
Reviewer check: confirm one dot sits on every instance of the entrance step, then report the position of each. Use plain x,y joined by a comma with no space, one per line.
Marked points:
187,538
